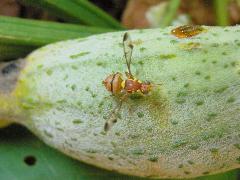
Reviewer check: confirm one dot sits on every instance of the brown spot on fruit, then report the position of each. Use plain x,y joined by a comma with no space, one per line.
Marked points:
187,31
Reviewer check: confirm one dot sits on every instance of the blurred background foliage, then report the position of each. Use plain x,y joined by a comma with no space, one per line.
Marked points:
23,156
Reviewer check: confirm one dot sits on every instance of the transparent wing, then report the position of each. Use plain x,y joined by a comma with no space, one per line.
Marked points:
128,49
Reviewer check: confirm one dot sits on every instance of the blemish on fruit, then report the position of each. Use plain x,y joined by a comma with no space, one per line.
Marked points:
231,100
214,150
211,116
237,146
102,64
49,72
221,90
179,143
215,45
186,85
92,151
233,64
167,56
153,158
174,78
142,49
190,46
137,151
238,160
187,31
73,87
87,88
190,162
194,147
181,94
77,121
140,114
140,63
74,67
180,101
48,134
198,73
180,166
207,77
75,56
199,103
225,66
174,122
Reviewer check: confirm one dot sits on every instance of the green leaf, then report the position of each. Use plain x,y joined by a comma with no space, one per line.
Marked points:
170,13
77,11
222,12
19,36
17,145
8,51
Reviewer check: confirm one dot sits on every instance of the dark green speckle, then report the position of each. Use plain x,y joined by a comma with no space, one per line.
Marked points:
231,100
179,143
77,121
237,146
181,94
190,162
207,77
167,56
137,151
140,114
199,103
180,166
180,101
211,116
214,150
73,87
186,85
49,72
205,173
153,158
198,73
238,160
221,90
75,56
74,67
48,134
142,49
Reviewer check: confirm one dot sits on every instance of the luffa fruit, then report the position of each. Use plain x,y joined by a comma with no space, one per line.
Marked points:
187,127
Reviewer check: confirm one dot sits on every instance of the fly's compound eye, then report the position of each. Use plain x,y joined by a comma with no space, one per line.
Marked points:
146,87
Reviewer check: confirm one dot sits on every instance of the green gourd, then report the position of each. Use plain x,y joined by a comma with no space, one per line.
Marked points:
186,127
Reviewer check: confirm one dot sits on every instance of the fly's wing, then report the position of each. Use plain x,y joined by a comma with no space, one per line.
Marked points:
128,49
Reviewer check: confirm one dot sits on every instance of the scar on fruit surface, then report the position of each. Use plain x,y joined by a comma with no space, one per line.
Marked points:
187,31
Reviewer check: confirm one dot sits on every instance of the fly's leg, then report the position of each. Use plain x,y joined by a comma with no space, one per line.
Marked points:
113,117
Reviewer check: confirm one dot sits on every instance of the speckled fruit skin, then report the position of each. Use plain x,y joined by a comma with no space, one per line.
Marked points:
187,127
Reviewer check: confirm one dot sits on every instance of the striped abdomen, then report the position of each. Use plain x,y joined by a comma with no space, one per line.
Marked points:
113,83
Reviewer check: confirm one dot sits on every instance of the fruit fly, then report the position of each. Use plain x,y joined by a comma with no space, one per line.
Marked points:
187,31
118,86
